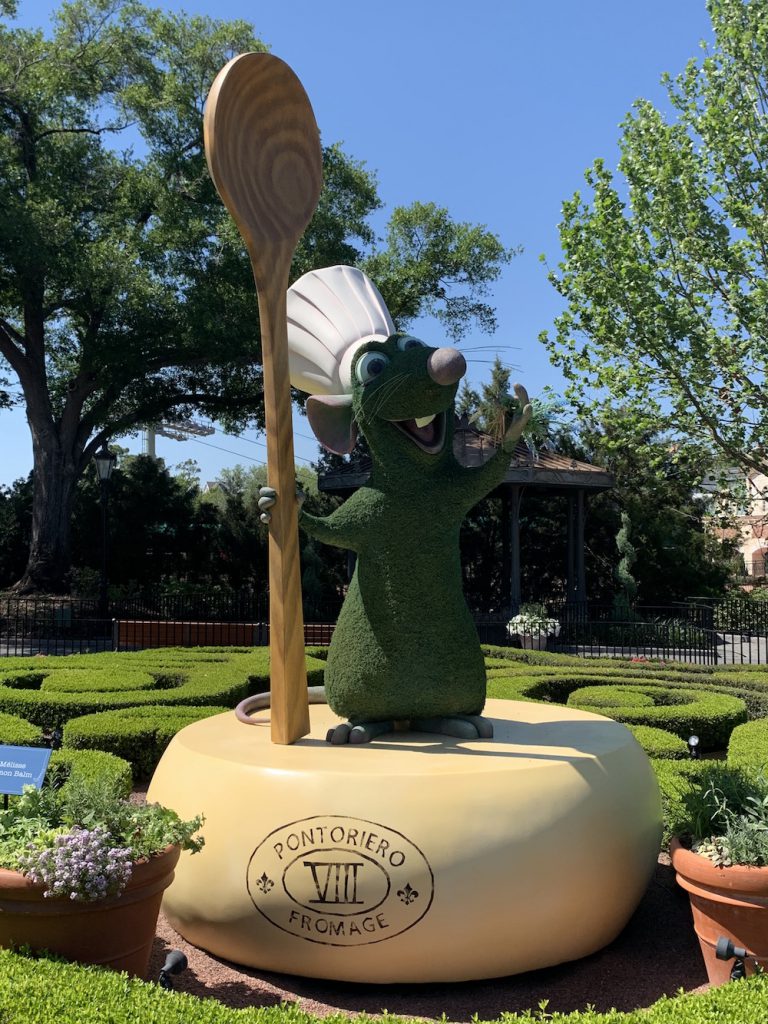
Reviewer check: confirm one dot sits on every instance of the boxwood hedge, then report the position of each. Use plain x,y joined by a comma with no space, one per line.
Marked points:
659,743
139,735
16,731
748,746
711,716
676,779
51,691
89,764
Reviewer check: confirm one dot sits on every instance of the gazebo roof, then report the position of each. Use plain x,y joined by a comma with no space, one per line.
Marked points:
545,469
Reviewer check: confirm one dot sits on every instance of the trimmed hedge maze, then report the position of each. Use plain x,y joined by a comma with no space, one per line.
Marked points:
129,705
681,700
711,716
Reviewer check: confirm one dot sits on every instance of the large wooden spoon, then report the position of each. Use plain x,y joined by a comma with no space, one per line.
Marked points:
264,155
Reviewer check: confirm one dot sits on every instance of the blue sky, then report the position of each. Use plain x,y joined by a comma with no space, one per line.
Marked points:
492,109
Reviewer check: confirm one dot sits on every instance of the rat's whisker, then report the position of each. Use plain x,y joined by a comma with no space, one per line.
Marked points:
492,362
488,348
397,383
383,393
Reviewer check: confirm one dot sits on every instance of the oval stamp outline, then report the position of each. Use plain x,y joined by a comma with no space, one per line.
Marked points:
337,913
341,818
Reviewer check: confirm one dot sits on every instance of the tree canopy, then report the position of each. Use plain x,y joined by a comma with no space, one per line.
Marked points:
664,272
126,293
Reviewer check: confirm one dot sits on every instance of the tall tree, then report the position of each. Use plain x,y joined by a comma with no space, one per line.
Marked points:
664,274
125,291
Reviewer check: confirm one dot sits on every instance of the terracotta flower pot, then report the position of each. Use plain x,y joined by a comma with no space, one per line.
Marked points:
116,932
725,901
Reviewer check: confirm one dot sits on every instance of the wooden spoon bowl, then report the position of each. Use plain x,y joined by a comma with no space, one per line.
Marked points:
263,151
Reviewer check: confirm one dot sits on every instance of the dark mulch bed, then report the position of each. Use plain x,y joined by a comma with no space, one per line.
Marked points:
657,954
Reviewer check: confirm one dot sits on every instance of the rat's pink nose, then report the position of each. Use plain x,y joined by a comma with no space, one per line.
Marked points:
446,365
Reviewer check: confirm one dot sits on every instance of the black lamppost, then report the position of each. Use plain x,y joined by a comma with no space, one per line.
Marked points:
105,463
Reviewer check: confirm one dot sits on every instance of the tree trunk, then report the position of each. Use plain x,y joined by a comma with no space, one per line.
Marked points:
55,476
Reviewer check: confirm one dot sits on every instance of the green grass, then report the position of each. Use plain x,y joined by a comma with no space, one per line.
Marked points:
49,992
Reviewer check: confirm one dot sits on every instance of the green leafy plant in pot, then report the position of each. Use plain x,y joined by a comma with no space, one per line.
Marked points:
721,860
83,871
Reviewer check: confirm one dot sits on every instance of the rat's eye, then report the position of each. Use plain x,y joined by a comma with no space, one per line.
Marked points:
370,365
407,342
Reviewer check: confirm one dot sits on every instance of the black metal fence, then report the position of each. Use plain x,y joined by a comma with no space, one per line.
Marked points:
52,627
703,631
31,626
730,631
662,640
209,606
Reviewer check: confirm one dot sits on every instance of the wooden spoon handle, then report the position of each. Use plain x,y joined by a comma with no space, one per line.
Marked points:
264,155
288,673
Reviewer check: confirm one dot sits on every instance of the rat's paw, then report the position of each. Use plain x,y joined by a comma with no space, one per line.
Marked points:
267,500
463,727
519,421
363,732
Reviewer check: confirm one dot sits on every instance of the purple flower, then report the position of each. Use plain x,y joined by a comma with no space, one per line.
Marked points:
82,865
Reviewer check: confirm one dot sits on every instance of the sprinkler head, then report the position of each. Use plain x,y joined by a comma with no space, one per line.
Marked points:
175,963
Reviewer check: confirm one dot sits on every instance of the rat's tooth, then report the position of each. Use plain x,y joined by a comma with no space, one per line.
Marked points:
424,421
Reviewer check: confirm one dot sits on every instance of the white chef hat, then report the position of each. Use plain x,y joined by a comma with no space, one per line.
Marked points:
331,313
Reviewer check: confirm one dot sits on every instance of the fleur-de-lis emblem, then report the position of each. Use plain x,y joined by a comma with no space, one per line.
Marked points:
265,883
408,895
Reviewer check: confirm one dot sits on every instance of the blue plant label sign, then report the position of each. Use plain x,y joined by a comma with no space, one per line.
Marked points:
22,766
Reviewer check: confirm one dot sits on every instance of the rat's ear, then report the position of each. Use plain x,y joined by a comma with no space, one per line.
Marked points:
332,422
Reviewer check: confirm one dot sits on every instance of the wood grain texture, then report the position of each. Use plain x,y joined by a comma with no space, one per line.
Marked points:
263,151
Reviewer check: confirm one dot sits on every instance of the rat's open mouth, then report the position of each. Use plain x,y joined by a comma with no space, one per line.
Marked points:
428,432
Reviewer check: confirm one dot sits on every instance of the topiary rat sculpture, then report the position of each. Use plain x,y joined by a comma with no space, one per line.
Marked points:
405,648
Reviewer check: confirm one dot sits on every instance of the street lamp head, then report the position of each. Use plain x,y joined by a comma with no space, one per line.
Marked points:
105,463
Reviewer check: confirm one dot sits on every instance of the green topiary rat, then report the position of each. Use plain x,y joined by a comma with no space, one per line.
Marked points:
405,648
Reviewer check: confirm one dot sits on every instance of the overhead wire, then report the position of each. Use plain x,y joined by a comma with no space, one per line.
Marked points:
239,455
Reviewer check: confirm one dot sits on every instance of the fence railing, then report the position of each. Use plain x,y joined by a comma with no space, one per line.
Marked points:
729,631
678,641
681,632
736,615
31,626
52,627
